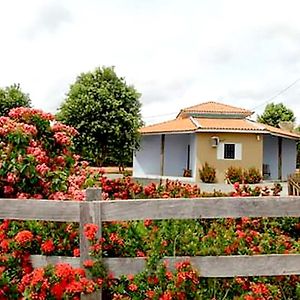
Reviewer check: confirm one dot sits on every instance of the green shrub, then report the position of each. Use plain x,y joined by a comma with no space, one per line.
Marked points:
207,173
237,174
234,174
252,175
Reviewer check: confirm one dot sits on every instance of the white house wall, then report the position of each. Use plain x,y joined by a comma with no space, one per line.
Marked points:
270,155
176,154
147,159
289,156
146,162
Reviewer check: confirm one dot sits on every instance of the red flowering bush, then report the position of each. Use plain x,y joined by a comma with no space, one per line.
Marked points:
56,282
37,158
126,188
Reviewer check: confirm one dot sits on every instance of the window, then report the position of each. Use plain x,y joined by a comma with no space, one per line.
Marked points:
229,151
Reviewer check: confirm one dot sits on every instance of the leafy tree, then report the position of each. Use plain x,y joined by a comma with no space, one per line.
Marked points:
11,97
106,113
276,113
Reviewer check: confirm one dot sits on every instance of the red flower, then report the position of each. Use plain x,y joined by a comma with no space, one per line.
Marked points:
88,263
37,276
130,277
74,287
24,237
166,296
63,270
90,231
76,252
148,222
150,294
57,291
48,246
8,189
4,245
132,287
236,185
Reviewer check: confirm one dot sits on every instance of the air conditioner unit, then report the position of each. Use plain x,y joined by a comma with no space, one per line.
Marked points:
215,141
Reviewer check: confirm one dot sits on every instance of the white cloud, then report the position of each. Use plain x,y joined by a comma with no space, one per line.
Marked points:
176,53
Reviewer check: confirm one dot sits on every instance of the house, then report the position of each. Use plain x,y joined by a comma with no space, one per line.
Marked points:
219,134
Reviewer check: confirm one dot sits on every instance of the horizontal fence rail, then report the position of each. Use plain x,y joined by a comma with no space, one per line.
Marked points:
208,266
94,211
122,210
44,210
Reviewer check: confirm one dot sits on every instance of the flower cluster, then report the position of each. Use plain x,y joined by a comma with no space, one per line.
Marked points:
126,188
56,282
37,158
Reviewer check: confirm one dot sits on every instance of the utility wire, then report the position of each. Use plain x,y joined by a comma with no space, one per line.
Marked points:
264,103
276,95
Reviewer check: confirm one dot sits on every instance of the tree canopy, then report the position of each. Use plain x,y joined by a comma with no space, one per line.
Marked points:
11,97
276,113
106,113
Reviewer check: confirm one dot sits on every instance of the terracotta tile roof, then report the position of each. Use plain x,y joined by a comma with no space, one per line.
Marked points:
280,131
227,118
228,124
210,124
241,124
215,108
177,125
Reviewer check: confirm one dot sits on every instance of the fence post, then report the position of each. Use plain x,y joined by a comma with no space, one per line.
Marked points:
90,213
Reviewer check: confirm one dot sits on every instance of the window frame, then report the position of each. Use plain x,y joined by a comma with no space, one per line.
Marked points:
237,151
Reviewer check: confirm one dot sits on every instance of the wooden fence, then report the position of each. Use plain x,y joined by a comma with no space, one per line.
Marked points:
94,211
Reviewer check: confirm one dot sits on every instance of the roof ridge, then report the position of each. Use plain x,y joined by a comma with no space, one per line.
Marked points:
214,102
195,122
199,104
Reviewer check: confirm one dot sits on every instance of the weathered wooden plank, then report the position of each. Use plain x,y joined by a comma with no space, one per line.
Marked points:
39,261
124,265
219,266
239,265
200,208
47,210
208,266
90,212
54,210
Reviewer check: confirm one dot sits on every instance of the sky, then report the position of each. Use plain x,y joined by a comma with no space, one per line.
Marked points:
175,53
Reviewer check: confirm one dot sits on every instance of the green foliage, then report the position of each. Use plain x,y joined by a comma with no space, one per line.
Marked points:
237,174
11,97
276,113
252,175
106,113
207,173
234,174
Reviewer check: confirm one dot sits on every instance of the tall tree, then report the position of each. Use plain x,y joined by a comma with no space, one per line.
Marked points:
276,113
12,96
106,113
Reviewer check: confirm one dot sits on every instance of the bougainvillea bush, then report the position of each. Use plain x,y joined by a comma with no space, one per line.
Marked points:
37,161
